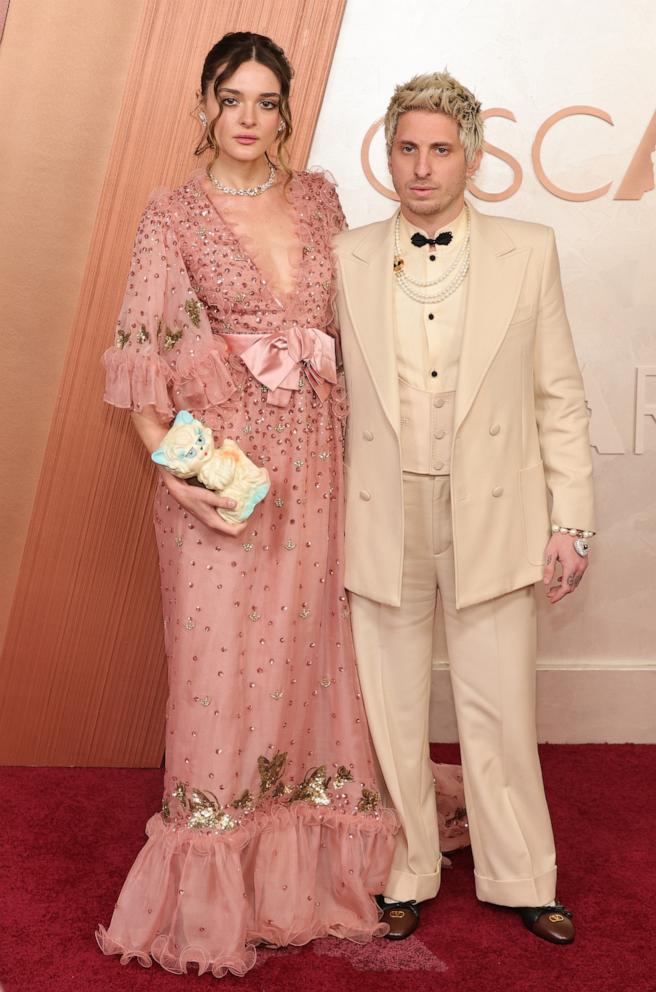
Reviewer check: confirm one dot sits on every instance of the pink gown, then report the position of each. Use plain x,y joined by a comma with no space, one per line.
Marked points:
271,829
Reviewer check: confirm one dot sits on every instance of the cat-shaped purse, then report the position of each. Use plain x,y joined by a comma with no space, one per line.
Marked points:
187,450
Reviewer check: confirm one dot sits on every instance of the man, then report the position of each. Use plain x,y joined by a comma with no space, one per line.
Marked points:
468,474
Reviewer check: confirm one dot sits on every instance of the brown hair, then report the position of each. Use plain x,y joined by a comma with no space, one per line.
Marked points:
224,59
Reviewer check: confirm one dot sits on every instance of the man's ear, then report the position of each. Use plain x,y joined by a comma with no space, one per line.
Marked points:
474,165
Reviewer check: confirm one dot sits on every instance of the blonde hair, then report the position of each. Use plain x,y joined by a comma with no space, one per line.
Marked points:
440,93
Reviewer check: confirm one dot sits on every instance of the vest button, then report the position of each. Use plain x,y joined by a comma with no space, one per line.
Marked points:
439,435
431,316
434,374
438,403
438,466
367,435
497,491
366,496
494,429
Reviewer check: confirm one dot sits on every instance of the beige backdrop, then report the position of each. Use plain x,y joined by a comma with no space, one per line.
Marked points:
96,98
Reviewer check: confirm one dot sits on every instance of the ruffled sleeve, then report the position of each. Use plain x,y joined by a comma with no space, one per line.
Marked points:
324,192
164,354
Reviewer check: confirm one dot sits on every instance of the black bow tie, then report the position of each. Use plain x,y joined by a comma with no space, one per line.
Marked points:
444,238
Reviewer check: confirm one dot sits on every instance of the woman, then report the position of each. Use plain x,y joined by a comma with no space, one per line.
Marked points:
271,827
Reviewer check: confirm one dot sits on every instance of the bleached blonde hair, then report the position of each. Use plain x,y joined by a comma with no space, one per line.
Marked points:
441,93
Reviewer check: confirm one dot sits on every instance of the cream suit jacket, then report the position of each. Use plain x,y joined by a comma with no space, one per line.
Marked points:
520,432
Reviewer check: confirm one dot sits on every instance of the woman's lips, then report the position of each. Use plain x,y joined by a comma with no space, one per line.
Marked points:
246,139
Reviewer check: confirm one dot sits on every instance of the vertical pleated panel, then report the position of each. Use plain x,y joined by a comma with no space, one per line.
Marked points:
83,678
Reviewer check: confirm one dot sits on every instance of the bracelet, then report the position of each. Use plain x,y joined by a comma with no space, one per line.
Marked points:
573,531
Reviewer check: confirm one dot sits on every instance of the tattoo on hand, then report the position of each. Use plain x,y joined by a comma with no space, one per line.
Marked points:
571,581
549,557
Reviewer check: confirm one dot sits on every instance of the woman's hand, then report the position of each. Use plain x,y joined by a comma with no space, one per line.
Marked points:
202,504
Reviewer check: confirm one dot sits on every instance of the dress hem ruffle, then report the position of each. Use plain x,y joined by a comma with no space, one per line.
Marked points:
284,876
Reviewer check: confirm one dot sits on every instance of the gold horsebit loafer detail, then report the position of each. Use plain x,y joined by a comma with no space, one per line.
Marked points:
402,918
552,923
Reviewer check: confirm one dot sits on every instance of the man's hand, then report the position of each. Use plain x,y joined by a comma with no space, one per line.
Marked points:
561,549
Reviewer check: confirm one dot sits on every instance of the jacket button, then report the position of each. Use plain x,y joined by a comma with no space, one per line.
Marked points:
494,429
439,435
438,403
367,435
497,491
438,466
366,496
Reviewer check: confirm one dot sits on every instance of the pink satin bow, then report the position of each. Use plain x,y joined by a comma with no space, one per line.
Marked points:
277,359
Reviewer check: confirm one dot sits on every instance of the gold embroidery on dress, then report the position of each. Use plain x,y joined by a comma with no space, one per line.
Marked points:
143,336
368,802
313,788
171,338
245,802
193,308
271,771
342,776
203,811
206,812
122,338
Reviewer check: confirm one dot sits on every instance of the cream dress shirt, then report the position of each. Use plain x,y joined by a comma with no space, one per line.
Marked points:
428,336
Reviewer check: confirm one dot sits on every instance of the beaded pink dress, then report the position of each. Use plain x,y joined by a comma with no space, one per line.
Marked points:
271,829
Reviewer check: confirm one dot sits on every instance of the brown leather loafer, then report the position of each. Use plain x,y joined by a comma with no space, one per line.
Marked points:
552,923
402,918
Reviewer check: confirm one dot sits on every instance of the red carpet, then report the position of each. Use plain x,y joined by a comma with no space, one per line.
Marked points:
69,837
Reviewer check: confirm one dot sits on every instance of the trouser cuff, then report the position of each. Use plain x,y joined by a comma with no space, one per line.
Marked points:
405,886
519,891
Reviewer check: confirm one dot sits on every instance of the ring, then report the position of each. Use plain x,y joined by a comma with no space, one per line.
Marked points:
581,547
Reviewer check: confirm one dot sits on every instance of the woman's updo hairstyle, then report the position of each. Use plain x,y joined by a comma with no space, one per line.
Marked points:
227,55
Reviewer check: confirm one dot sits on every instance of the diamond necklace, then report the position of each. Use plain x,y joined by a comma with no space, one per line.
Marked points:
244,191
414,288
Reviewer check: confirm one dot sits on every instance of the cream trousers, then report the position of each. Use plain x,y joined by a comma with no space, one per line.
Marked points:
491,648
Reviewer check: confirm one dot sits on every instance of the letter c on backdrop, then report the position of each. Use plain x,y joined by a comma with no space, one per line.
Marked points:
565,194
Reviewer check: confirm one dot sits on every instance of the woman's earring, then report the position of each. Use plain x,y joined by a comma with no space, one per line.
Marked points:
202,118
281,127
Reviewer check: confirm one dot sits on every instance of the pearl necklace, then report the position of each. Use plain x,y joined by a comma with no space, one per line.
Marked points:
414,287
244,191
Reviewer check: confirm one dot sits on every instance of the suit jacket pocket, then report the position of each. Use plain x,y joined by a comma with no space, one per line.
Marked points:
535,512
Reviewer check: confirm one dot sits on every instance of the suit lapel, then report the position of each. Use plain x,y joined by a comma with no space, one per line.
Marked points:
493,286
368,290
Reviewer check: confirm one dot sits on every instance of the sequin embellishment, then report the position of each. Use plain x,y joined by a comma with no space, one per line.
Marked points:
271,770
313,788
193,308
171,338
368,801
342,776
